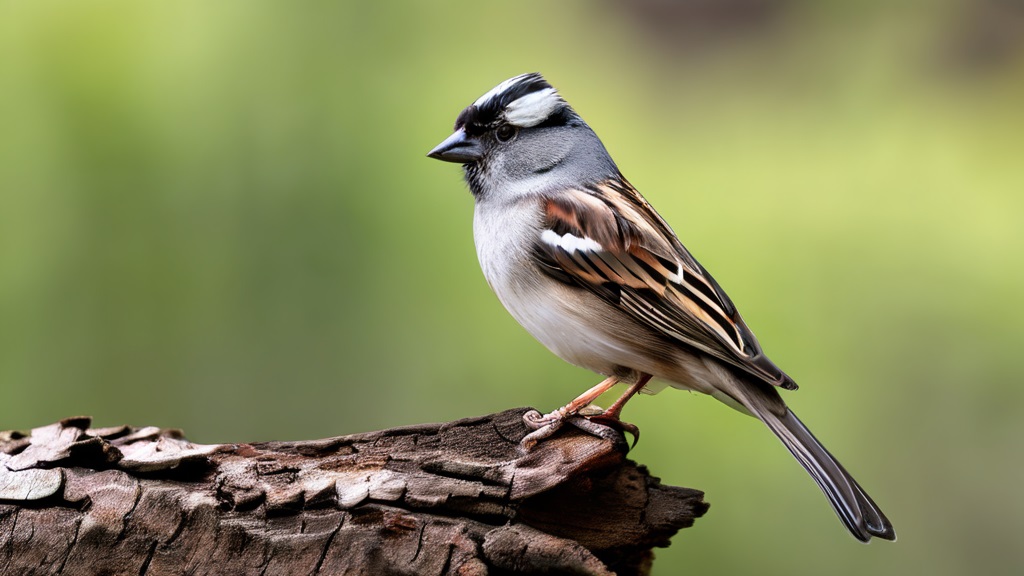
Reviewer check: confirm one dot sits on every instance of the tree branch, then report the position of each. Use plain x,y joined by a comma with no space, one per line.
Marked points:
453,498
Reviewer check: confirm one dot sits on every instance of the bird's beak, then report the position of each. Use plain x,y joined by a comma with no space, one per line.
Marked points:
458,148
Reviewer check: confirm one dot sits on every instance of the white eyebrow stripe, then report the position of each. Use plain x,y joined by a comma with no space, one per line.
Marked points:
570,243
499,89
533,108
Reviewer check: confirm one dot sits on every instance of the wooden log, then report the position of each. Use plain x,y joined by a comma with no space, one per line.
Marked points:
456,498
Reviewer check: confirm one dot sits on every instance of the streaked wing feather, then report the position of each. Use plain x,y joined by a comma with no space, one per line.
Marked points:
608,240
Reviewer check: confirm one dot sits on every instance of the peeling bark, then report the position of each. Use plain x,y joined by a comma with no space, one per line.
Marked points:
455,498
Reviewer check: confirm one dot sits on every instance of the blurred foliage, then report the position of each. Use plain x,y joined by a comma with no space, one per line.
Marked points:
219,216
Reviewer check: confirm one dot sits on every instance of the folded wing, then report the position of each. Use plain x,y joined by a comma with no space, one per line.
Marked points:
607,239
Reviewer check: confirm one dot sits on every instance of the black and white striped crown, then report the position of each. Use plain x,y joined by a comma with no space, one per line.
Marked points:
524,101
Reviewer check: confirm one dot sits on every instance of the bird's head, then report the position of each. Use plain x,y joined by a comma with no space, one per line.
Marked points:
520,138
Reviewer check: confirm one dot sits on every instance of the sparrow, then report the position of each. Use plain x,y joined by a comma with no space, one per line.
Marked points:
582,261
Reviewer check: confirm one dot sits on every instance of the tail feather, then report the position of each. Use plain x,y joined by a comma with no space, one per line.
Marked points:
855,508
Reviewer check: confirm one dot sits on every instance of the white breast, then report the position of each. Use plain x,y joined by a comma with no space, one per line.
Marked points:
549,310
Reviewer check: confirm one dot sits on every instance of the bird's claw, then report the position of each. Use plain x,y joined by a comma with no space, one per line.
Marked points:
543,426
597,424
609,422
534,420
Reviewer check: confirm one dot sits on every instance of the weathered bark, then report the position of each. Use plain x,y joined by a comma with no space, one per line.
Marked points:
454,498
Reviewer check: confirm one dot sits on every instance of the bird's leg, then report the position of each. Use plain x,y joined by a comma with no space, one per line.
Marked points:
545,425
610,417
535,420
613,411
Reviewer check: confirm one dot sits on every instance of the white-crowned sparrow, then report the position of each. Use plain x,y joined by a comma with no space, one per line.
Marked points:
588,267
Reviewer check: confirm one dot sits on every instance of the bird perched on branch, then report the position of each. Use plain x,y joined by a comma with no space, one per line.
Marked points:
587,266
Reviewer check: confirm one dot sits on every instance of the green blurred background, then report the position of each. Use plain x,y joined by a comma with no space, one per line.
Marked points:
219,216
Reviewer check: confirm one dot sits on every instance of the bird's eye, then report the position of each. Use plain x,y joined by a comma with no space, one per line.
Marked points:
505,132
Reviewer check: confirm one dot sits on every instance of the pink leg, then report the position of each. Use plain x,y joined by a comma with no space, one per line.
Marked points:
536,421
545,425
589,396
610,417
598,425
615,409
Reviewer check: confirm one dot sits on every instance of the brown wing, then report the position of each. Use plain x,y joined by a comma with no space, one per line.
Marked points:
607,239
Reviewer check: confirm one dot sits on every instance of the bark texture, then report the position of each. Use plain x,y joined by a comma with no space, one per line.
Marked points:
455,498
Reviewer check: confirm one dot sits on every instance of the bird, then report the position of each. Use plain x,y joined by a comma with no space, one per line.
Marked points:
587,266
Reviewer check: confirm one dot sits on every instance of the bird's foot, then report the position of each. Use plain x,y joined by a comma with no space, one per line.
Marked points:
591,419
611,422
534,420
543,426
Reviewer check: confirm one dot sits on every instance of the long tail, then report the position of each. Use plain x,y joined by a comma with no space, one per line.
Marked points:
855,508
